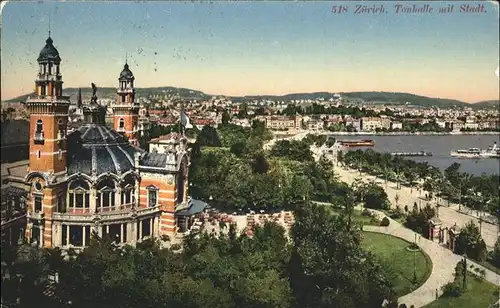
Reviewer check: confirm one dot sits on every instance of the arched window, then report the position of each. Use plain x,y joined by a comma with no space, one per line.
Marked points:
127,191
122,123
79,195
152,196
61,128
106,195
38,138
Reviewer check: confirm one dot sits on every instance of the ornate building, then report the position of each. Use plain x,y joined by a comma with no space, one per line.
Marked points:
94,179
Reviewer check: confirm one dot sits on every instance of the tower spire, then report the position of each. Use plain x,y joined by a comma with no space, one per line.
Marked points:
49,24
126,57
79,99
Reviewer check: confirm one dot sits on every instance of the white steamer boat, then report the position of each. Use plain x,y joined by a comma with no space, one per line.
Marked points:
493,151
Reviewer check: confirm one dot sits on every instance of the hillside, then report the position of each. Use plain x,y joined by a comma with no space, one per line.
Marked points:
184,93
401,98
487,104
110,93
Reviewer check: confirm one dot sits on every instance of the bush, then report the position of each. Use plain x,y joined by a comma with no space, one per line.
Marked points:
385,222
366,213
165,238
451,290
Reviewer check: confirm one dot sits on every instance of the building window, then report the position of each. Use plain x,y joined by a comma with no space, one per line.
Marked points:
64,234
106,195
152,196
38,203
76,235
126,196
61,203
61,129
39,127
146,228
35,233
123,98
78,194
122,124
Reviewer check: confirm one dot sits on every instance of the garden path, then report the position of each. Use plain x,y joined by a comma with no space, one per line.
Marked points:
448,215
443,264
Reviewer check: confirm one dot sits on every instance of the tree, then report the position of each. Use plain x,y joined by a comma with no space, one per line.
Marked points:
259,163
339,273
208,137
375,197
496,253
225,117
238,149
471,243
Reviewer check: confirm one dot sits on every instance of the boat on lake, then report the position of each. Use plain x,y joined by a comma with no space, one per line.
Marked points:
357,143
492,152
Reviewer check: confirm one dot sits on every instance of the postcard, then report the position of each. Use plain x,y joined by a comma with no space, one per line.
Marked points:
250,153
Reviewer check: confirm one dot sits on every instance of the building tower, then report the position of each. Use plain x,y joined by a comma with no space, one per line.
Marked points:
126,110
79,99
47,159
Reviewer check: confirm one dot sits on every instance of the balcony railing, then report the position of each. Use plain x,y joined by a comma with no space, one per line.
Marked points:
35,215
39,136
120,212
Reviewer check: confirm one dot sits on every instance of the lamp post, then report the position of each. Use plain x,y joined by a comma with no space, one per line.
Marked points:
460,195
464,283
415,261
480,211
385,171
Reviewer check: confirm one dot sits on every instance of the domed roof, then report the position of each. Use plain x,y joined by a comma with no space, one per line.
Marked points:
49,52
126,73
94,149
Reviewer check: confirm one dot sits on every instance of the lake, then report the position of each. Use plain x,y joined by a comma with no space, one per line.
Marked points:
440,147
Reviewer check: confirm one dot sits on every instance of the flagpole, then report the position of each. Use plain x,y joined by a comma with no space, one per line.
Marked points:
181,128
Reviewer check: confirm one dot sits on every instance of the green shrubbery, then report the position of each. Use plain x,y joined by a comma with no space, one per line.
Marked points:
452,289
418,219
385,222
470,242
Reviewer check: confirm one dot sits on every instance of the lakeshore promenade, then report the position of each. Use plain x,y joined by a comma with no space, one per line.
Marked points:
449,215
292,133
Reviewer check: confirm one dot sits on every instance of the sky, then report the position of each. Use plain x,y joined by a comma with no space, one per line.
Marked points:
249,48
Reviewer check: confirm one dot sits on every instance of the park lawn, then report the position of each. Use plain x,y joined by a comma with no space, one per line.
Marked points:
480,293
393,251
357,216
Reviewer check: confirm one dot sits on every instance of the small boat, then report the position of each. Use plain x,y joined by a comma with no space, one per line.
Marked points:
421,153
357,143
